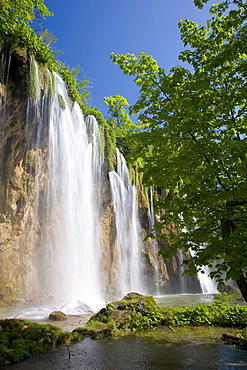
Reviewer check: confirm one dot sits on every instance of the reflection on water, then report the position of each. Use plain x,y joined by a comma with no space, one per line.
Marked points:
167,352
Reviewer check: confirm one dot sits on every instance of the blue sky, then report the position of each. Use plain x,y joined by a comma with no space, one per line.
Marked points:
88,31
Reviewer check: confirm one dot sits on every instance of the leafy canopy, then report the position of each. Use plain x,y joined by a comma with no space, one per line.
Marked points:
27,10
192,139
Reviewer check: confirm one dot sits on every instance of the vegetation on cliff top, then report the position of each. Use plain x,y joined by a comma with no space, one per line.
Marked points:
17,35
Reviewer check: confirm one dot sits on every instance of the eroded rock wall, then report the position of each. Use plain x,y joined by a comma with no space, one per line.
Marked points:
20,174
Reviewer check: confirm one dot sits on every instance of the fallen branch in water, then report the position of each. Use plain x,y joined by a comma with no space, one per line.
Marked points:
230,339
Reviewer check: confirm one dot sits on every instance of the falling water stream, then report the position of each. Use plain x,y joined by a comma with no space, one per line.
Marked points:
128,228
68,265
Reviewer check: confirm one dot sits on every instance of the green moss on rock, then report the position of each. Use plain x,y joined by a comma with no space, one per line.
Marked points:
21,339
135,312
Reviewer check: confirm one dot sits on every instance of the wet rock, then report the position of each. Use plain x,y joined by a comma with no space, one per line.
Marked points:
226,288
57,316
122,307
132,295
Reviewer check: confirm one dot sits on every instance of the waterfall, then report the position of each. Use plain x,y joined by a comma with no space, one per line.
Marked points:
69,262
208,285
61,203
156,272
127,227
4,77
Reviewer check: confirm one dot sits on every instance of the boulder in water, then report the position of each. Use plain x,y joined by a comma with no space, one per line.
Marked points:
57,316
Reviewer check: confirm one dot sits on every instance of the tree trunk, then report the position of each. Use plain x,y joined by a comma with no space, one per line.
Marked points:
242,284
227,228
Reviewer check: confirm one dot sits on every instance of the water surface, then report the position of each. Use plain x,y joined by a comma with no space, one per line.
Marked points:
184,349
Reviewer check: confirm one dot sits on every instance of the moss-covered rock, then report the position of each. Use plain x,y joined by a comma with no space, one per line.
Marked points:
21,339
135,312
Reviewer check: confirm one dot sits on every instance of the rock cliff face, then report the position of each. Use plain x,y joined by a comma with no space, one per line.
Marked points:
23,177
19,174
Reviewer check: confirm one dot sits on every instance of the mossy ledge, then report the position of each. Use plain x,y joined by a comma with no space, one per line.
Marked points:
135,313
22,339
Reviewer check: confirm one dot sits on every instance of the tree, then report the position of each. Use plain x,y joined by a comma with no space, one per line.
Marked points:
26,10
82,86
192,140
116,105
47,38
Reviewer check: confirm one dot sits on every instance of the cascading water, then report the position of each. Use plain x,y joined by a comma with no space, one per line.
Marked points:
156,272
208,285
127,226
69,265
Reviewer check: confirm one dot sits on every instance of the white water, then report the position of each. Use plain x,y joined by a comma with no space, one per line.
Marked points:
208,285
156,272
70,258
127,227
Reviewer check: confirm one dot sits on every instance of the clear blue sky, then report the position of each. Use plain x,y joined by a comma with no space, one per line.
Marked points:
88,31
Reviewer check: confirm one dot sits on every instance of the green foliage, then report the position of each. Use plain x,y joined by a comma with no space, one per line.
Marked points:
228,297
129,315
17,35
47,38
78,89
96,113
135,314
117,110
242,334
21,339
22,40
110,144
217,314
192,138
28,10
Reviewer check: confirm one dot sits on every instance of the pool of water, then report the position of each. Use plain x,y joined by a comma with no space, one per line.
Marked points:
184,349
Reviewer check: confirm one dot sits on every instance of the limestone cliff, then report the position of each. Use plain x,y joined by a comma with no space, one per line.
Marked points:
19,177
